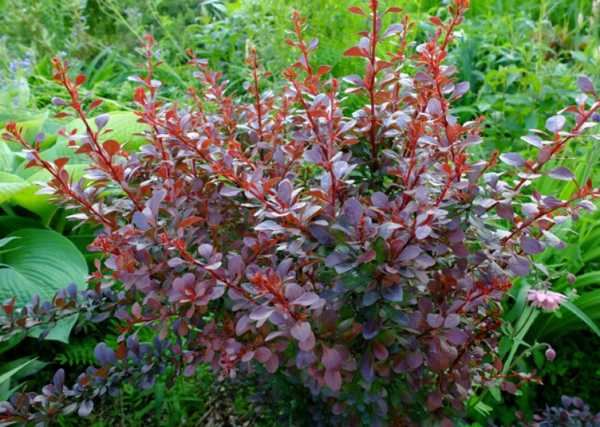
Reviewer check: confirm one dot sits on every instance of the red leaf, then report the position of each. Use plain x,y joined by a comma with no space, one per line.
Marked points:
356,10
80,79
436,20
61,162
190,221
323,69
121,351
95,104
140,95
84,149
356,51
111,146
394,9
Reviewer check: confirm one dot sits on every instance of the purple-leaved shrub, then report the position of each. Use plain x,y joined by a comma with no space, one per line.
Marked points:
362,252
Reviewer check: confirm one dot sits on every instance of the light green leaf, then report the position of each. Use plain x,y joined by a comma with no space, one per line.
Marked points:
28,365
5,378
60,332
124,125
44,262
32,126
10,185
7,158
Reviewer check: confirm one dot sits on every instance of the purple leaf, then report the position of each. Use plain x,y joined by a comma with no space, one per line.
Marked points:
59,378
422,232
58,101
414,360
461,89
561,173
393,29
555,123
333,379
85,408
530,245
354,80
518,266
228,191
301,331
353,211
513,159
242,325
261,313
366,368
434,107
434,401
393,293
104,354
533,140
284,191
370,298
586,85
409,253
331,359
505,211
456,336
269,225
293,291
435,320
263,354
380,200
452,320
371,329
313,155
334,259
101,121
307,299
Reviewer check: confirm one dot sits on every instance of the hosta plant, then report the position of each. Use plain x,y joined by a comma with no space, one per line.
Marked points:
364,253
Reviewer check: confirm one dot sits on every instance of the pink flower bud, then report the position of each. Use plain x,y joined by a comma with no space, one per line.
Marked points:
550,354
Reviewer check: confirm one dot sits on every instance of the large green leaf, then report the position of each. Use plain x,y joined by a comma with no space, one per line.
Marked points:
39,204
10,185
7,158
27,365
32,126
5,379
125,128
61,331
42,262
10,223
580,313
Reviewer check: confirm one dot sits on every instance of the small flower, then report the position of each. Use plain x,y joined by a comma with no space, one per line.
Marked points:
550,354
545,299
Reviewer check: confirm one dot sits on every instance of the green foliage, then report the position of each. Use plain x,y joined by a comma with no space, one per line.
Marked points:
520,56
39,262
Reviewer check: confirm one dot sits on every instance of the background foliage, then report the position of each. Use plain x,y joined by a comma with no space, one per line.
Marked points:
521,57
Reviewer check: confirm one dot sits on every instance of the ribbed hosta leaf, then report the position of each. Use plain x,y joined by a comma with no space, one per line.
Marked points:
11,185
39,262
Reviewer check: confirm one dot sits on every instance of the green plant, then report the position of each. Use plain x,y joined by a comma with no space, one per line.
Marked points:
365,252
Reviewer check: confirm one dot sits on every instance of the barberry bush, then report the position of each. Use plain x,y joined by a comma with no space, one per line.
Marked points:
364,252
